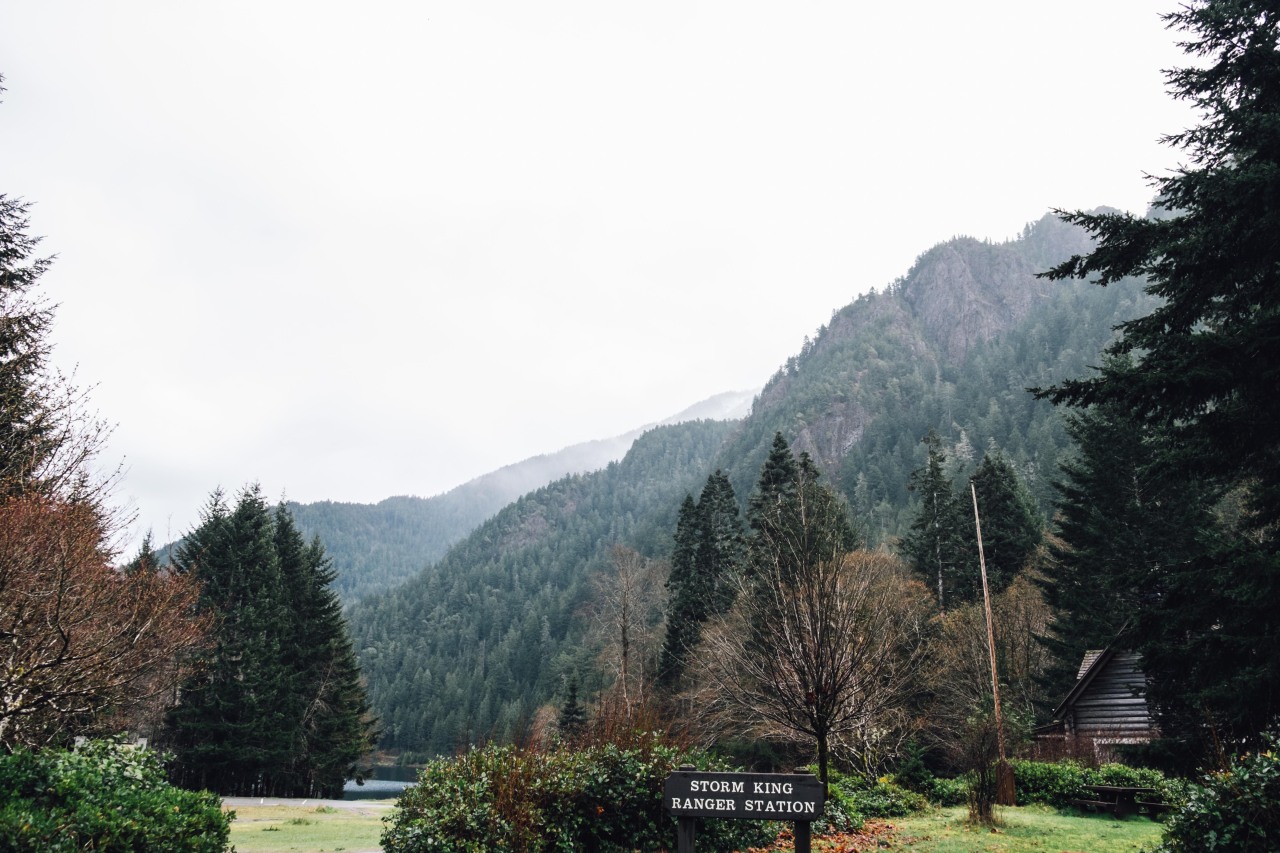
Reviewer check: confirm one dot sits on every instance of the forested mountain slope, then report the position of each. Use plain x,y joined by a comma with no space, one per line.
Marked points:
375,547
471,646
952,346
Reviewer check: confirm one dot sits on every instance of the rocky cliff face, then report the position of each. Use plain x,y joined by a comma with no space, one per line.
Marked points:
966,292
958,296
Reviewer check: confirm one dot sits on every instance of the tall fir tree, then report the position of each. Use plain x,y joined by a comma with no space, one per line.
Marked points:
776,483
1012,526
277,708
796,570
336,730
704,564
1206,365
572,722
798,521
26,429
1123,528
721,541
934,544
686,607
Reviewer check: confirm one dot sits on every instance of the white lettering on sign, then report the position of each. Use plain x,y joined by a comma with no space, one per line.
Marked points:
716,786
779,807
715,805
772,788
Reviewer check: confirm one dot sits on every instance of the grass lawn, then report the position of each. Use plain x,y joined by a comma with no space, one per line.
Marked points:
293,829
1026,829
1029,829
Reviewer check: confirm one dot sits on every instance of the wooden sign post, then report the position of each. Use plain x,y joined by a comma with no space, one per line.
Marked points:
691,794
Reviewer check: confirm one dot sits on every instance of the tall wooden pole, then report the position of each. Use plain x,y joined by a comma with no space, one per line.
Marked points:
1004,788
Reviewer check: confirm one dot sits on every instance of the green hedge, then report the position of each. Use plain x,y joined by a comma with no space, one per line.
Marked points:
1237,809
104,797
1057,783
503,798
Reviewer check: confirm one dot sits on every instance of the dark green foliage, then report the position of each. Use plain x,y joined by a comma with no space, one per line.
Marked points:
471,647
606,798
1203,370
1012,527
911,771
851,798
375,547
686,601
326,694
892,365
933,547
942,544
1208,358
1124,525
572,721
27,432
103,796
277,708
1058,783
705,561
948,792
795,523
1236,809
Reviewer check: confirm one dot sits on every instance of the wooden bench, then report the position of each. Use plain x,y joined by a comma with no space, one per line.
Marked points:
1154,809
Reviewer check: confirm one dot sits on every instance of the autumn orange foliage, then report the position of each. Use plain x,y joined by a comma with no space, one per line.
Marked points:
84,646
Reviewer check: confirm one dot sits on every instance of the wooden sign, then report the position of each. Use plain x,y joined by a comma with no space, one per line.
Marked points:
744,796
691,794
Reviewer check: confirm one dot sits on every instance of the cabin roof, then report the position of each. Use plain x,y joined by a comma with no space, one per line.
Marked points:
1094,662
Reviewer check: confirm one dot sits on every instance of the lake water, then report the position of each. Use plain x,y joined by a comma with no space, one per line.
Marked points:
386,781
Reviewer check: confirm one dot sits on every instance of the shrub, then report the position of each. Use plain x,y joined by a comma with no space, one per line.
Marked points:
103,796
1237,809
881,798
503,798
912,773
1055,783
948,792
1058,783
885,799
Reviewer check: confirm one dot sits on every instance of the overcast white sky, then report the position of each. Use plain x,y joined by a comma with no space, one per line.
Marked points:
354,250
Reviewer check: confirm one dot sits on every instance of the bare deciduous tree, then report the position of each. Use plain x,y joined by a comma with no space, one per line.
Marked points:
828,651
626,618
79,638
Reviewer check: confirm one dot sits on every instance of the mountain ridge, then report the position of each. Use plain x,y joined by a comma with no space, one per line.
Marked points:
447,654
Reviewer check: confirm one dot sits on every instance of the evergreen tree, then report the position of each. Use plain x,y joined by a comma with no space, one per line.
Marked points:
277,709
933,547
327,697
1122,529
572,721
26,429
1012,527
777,482
720,544
1206,365
686,607
795,523
704,565
1207,360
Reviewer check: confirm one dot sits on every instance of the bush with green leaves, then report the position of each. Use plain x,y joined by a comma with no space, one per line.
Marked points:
861,798
603,797
1237,809
103,796
948,792
1057,783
